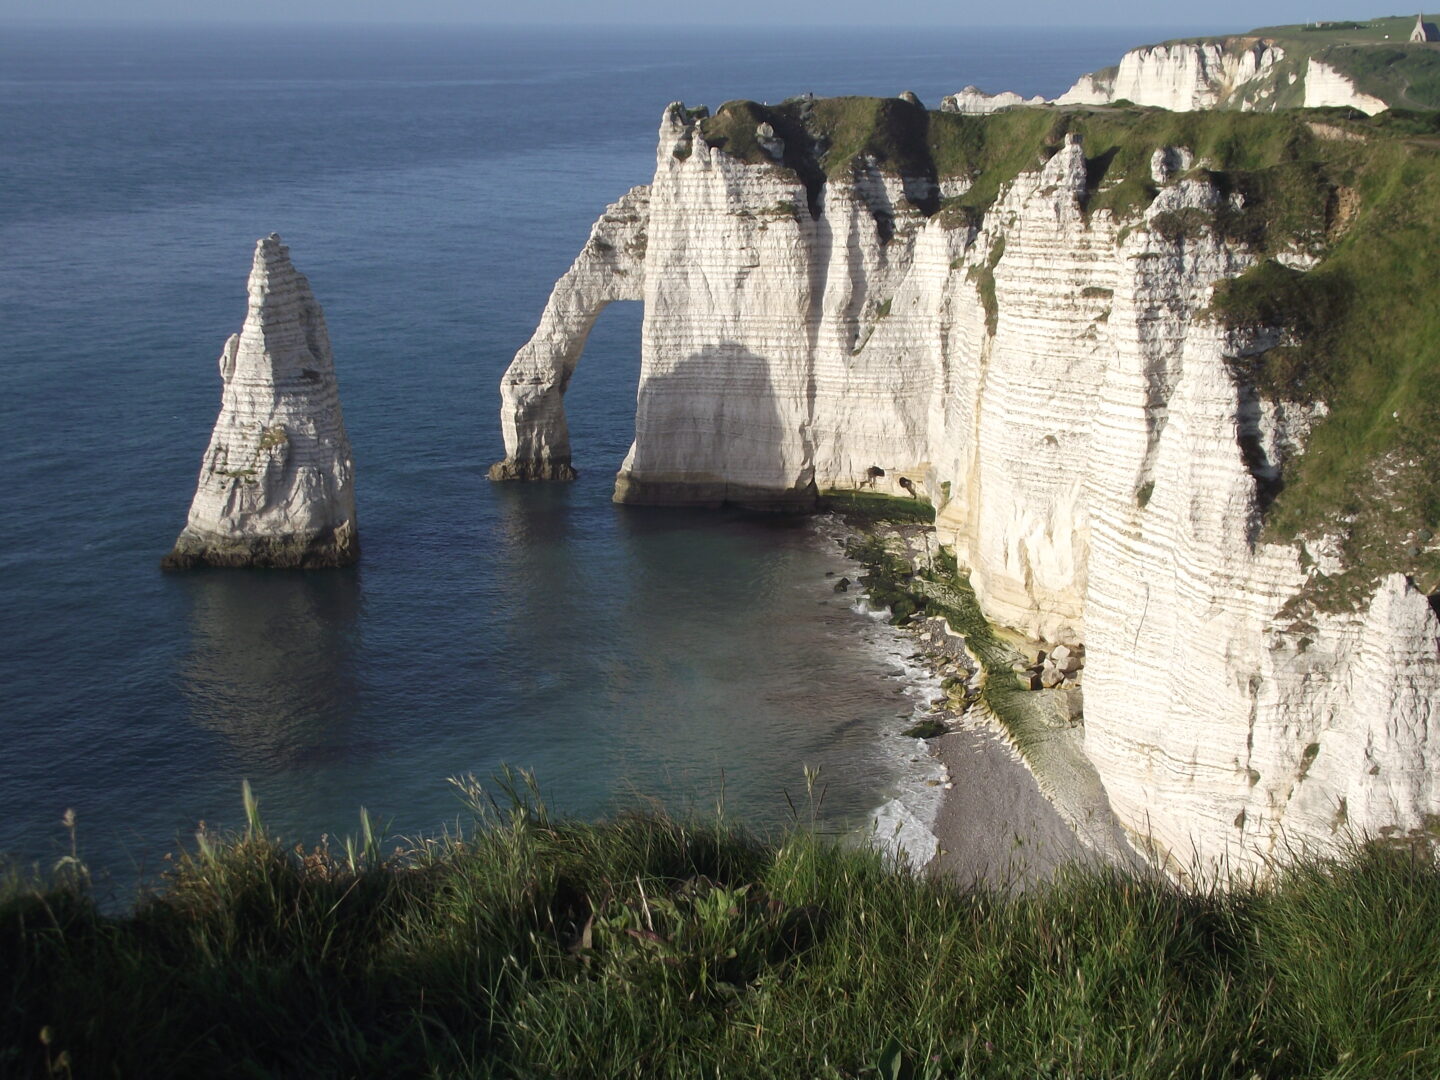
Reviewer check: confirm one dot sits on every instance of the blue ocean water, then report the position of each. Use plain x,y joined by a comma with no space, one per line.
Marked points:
432,184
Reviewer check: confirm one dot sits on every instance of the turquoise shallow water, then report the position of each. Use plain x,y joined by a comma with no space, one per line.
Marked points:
432,184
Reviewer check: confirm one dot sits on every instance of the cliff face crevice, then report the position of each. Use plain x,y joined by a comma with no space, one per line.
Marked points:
1049,373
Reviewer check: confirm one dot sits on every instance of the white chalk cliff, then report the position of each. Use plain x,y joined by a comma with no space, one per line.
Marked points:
1048,380
1247,73
1181,77
1326,86
276,485
975,102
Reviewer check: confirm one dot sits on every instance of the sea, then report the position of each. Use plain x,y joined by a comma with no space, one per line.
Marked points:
432,182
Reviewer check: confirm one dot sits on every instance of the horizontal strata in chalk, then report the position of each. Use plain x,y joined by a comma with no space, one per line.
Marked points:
276,486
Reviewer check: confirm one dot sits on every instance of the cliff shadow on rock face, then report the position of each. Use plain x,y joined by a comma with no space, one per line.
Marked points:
1267,475
711,433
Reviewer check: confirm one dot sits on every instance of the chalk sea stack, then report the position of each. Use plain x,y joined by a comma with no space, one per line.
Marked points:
277,484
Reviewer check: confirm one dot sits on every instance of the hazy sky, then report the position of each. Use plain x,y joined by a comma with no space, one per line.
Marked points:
1221,14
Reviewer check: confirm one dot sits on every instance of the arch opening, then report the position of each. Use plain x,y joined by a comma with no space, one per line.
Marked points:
600,400
609,268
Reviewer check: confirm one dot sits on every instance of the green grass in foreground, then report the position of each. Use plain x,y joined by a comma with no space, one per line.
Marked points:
652,947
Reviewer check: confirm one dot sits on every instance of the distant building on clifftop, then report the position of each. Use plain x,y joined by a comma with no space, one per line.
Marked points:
1424,31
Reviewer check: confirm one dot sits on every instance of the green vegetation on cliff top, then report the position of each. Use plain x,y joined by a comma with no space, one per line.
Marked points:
1361,328
652,947
1322,34
1406,76
1361,335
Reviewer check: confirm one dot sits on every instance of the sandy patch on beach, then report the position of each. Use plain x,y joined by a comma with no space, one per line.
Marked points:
995,827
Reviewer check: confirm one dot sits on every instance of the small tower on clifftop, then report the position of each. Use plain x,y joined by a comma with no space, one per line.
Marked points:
1424,31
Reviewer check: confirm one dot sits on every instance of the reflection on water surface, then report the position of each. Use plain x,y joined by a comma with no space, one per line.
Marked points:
272,663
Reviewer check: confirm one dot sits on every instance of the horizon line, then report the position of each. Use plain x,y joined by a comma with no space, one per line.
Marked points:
564,24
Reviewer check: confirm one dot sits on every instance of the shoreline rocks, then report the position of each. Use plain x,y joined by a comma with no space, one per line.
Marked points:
276,485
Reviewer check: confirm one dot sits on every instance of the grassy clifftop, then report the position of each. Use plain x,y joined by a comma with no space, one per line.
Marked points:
1324,34
1362,335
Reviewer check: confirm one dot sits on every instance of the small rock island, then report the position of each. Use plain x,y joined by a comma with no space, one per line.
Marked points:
277,484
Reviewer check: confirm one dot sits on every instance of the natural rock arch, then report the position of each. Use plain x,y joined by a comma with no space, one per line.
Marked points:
610,267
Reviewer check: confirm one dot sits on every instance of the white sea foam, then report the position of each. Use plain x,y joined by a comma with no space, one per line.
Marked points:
903,825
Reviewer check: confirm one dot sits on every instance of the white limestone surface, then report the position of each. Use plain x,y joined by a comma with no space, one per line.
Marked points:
1182,77
1049,380
276,485
1246,73
610,267
975,102
1326,86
